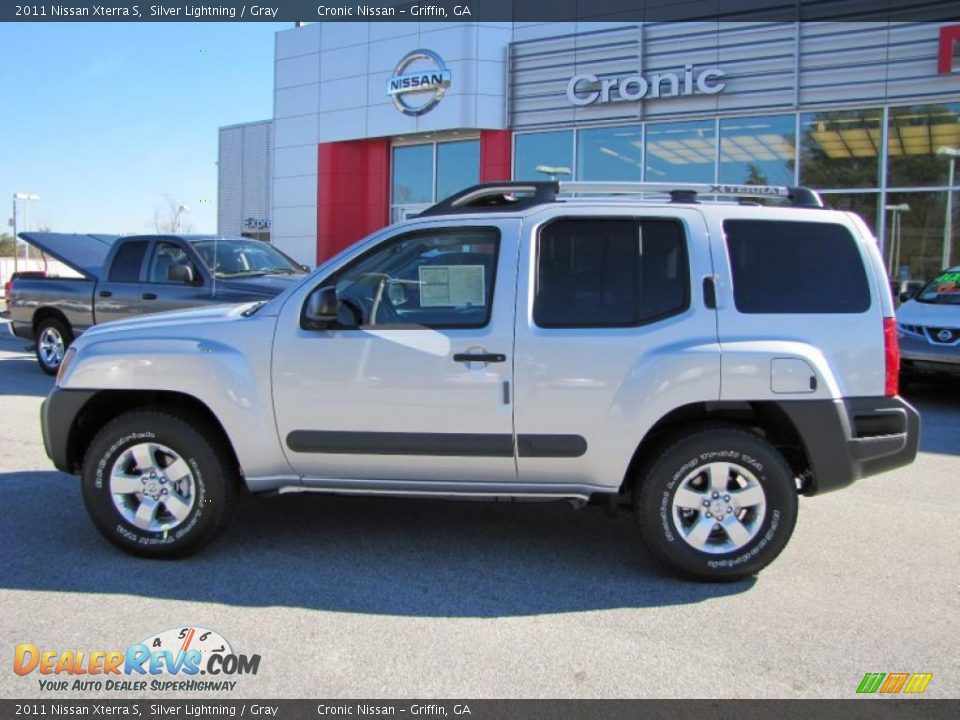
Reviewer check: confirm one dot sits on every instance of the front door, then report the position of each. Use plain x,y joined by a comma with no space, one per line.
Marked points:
414,380
160,293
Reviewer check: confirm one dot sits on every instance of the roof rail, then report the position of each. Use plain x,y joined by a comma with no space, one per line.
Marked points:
519,194
509,194
688,192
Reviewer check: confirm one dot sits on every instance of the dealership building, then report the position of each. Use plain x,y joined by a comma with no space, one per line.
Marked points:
373,122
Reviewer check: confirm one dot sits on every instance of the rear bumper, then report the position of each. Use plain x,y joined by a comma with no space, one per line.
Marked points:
853,438
58,415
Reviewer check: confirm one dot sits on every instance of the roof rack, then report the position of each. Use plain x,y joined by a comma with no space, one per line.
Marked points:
519,195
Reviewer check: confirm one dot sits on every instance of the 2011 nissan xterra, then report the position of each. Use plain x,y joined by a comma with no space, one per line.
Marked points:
706,363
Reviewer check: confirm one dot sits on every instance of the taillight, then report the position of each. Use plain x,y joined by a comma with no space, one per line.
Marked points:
891,351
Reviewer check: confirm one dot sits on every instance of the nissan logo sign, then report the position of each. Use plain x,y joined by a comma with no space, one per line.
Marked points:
427,85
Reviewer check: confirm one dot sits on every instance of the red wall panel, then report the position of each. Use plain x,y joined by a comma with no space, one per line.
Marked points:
496,151
353,192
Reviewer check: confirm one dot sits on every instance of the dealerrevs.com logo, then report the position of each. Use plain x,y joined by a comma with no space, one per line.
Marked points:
177,660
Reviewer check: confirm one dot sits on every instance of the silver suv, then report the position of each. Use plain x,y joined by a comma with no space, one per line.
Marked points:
706,363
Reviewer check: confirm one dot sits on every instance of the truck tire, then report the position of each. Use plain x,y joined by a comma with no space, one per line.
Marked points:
52,338
155,485
717,505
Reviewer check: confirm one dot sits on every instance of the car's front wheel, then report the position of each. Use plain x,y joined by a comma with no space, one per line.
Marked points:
155,485
717,505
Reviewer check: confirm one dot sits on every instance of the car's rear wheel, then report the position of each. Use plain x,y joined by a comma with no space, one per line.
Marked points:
52,338
155,485
717,505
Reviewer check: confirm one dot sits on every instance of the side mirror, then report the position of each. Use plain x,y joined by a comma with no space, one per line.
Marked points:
305,268
908,295
181,274
320,311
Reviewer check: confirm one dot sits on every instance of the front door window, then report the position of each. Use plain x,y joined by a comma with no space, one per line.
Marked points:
432,278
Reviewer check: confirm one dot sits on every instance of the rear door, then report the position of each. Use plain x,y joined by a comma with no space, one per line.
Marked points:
117,295
611,334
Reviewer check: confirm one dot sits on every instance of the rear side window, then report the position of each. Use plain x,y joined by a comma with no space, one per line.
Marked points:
795,267
595,272
127,262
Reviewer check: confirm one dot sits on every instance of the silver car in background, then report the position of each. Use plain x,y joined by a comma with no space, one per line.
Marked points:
929,327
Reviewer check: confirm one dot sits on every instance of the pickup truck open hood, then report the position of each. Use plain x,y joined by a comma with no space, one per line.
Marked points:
85,253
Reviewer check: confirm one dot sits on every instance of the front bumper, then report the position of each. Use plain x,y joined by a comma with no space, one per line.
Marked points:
853,438
58,420
919,356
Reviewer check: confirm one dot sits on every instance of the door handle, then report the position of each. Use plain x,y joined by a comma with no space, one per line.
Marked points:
106,293
480,357
710,292
149,296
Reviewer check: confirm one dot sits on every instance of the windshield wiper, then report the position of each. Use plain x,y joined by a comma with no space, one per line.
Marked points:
242,273
253,309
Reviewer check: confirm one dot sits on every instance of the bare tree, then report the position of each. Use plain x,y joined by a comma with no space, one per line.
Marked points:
169,217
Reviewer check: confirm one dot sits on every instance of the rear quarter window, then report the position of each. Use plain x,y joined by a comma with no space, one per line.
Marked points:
126,264
795,267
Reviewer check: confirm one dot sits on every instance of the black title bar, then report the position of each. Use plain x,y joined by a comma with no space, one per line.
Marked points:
295,11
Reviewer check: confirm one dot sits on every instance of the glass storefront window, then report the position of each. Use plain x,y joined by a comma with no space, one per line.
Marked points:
412,174
544,156
681,152
914,247
840,148
458,166
758,150
614,153
866,205
915,134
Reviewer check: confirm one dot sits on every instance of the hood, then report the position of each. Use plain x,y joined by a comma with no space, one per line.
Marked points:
180,318
84,253
267,285
929,314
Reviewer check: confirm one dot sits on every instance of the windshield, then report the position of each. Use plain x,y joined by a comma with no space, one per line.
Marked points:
238,256
943,289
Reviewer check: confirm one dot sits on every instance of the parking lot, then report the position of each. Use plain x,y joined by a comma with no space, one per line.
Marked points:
397,598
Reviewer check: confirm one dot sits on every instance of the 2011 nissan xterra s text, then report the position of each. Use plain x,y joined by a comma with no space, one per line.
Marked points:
706,362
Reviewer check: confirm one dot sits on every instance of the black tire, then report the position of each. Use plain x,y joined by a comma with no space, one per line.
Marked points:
59,328
679,460
213,483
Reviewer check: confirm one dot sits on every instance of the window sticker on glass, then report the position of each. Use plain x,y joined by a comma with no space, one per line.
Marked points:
452,285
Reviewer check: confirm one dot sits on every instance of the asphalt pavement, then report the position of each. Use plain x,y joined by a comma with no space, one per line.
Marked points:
388,598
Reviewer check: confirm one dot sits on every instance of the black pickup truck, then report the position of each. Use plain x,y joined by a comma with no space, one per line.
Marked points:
119,277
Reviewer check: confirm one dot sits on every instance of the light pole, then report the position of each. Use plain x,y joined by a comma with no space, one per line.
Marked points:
953,154
180,211
894,254
26,197
553,171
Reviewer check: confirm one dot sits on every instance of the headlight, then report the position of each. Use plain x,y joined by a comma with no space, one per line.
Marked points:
68,357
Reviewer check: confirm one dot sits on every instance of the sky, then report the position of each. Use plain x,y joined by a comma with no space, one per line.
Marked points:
104,121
